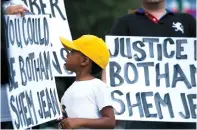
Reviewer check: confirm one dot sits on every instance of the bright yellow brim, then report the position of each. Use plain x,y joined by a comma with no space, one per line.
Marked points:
68,44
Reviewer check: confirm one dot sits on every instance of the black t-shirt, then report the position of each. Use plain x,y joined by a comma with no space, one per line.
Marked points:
141,23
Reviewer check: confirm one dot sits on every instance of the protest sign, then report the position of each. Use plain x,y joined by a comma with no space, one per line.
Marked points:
153,78
58,26
32,94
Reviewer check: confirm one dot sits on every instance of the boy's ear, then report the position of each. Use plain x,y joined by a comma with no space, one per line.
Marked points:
85,61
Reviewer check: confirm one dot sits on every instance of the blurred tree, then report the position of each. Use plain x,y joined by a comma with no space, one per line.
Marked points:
96,16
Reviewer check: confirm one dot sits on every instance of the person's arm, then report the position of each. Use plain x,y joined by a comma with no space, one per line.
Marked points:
107,121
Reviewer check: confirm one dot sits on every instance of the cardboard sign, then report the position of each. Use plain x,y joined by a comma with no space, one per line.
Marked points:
32,94
153,78
58,27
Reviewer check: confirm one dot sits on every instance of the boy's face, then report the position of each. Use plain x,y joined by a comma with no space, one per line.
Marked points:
74,60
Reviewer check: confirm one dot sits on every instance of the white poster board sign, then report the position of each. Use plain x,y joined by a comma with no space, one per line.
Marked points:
32,94
58,27
153,78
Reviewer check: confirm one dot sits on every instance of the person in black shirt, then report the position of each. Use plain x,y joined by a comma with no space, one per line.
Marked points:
155,21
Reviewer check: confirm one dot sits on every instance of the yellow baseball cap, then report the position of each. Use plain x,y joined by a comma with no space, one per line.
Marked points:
91,46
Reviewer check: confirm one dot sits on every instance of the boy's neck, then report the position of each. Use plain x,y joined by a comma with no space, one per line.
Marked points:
82,76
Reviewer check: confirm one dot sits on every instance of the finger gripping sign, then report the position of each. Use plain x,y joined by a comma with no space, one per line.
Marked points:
153,78
32,94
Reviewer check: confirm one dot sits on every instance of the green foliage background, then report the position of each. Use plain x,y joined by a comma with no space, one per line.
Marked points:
96,16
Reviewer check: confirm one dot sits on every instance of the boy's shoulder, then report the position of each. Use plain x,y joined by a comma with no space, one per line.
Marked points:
99,82
100,88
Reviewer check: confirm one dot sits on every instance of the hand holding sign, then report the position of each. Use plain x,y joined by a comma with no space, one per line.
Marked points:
16,9
71,123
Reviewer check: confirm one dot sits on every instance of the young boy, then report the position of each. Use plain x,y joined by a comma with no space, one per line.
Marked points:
88,100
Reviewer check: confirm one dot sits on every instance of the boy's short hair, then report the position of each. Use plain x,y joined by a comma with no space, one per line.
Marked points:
95,69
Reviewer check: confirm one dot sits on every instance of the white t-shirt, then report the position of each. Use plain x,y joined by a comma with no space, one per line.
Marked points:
85,99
